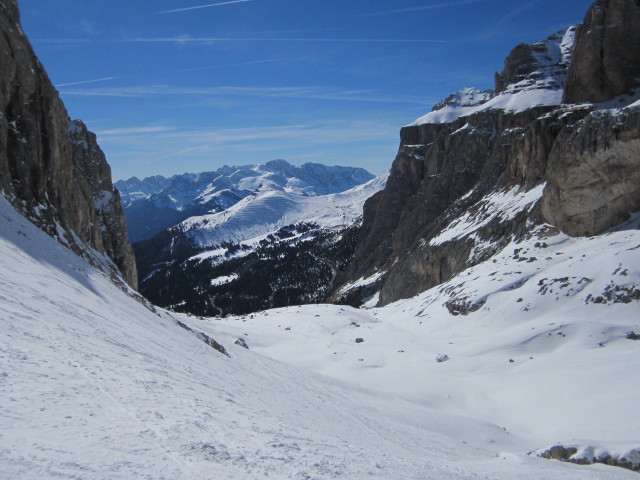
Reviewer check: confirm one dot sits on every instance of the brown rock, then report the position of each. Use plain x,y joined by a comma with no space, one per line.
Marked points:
593,174
606,53
52,169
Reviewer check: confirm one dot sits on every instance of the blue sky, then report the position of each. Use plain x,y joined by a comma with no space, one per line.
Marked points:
174,86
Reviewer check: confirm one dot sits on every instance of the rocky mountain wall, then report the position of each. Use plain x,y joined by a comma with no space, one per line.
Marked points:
606,53
462,190
593,174
51,168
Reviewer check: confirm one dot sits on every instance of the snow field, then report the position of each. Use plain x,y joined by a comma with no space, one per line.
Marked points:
93,384
537,358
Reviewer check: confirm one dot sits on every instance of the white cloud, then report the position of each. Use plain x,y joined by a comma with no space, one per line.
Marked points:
176,142
184,39
84,82
303,92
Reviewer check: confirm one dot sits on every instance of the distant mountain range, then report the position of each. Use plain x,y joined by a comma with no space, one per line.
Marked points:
273,248
245,238
156,203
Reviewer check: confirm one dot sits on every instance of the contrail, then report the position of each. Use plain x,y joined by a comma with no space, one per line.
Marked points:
84,82
424,7
202,6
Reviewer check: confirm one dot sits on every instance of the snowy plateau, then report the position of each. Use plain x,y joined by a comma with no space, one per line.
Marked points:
542,87
96,383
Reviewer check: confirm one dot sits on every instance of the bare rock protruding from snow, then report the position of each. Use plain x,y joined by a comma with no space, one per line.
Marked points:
542,64
51,168
607,53
628,458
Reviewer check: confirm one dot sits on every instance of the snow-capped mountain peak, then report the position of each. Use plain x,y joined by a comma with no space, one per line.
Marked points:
533,76
156,203
267,210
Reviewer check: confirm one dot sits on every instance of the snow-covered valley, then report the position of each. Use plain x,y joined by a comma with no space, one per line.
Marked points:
97,385
496,268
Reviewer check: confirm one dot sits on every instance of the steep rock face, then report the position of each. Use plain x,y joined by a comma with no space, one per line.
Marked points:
52,169
443,172
593,175
519,63
472,176
607,53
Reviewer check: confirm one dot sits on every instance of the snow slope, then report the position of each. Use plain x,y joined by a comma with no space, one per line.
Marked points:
542,351
267,211
542,87
156,203
94,384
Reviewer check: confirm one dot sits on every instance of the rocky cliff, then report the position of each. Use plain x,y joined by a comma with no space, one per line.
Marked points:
606,53
485,169
51,168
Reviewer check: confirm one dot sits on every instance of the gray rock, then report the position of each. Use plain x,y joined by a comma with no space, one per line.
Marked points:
593,179
52,169
242,343
589,160
606,53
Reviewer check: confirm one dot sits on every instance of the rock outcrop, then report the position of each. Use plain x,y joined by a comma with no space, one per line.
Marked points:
51,168
593,173
487,168
607,50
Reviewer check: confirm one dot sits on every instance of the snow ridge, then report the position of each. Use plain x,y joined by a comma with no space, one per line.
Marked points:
266,211
543,86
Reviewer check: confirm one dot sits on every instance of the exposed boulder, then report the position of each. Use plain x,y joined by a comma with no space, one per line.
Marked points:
589,455
51,168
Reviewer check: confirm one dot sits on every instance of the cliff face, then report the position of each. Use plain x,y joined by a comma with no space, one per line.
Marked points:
607,50
51,168
485,169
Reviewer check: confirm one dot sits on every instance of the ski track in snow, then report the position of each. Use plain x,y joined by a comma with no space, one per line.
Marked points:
94,385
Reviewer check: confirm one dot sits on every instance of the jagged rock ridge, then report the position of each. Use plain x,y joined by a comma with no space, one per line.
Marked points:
51,168
485,168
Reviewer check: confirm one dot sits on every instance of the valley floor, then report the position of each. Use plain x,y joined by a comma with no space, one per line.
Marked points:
96,385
